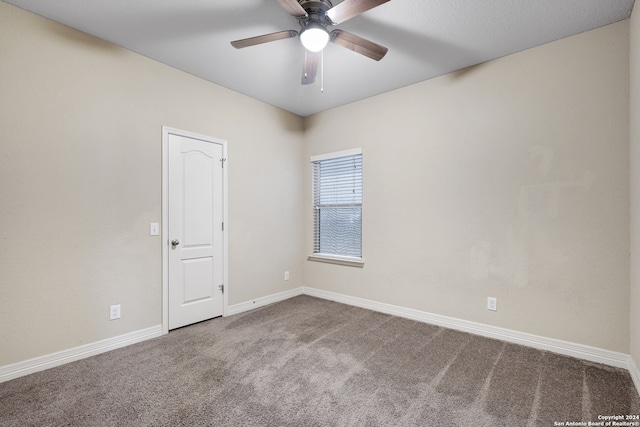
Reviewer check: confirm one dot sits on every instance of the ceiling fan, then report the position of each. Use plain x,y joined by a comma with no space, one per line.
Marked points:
314,17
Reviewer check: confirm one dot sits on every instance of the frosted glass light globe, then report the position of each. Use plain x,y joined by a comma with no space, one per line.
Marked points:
314,39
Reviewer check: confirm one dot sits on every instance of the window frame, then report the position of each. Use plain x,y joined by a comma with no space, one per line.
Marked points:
330,258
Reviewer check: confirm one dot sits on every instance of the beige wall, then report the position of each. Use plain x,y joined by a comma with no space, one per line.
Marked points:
80,181
635,183
509,179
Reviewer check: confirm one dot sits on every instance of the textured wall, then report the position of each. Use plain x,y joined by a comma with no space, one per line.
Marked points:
509,179
635,183
80,181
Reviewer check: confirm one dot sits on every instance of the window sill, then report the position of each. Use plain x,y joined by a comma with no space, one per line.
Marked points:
332,259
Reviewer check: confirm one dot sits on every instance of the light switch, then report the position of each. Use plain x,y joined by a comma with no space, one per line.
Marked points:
154,229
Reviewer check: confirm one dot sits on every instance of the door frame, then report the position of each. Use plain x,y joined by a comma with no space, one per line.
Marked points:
166,132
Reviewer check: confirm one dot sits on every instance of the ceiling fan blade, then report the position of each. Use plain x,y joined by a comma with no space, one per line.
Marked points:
358,44
293,7
266,38
350,8
310,67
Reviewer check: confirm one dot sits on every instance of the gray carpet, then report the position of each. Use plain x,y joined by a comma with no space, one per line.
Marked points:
310,362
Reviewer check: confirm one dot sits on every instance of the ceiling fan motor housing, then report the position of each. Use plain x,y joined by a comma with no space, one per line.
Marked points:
316,13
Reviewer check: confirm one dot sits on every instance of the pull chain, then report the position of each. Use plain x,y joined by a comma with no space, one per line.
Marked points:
322,71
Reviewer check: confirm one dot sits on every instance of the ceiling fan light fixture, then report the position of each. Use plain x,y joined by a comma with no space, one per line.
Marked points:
314,38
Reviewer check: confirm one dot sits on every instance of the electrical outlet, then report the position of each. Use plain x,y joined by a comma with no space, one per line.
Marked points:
286,275
492,304
114,312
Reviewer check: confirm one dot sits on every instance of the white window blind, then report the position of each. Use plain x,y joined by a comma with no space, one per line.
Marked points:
337,206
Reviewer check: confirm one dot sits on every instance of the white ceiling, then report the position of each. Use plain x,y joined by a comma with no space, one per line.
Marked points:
426,38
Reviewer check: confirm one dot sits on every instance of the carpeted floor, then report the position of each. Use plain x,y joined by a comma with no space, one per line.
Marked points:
311,362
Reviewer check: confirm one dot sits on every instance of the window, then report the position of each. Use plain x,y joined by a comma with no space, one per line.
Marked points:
337,207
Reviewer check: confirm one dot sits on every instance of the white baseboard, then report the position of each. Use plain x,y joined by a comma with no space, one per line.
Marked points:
580,351
635,373
16,370
9,372
262,301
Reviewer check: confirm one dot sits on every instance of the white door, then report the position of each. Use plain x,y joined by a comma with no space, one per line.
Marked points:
195,230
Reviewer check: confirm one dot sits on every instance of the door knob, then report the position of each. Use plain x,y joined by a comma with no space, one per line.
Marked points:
175,242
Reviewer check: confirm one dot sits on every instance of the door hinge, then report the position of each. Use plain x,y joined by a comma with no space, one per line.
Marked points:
222,225
221,287
223,160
